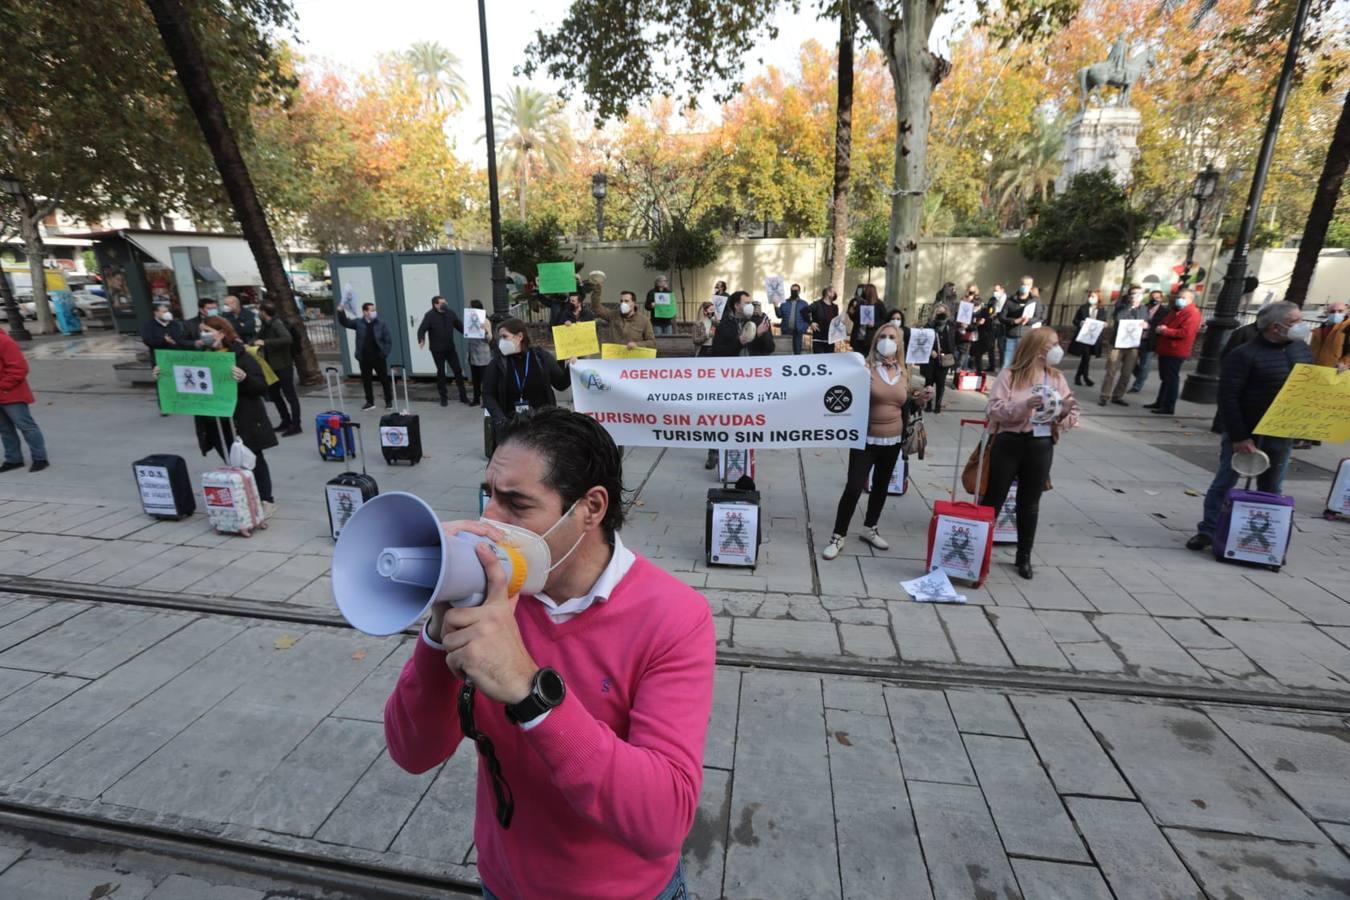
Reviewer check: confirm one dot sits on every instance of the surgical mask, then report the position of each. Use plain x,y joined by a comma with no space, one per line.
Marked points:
507,347
1299,331
1135,299
371,315
164,316
1092,301
898,323
886,346
1183,302
535,546
625,308
747,309
1024,290
1335,318
208,341
1054,356
208,313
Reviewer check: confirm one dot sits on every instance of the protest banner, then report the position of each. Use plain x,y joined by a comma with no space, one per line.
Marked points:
1313,405
475,324
196,383
965,312
779,402
663,305
556,278
920,350
576,339
1091,332
1129,333
622,351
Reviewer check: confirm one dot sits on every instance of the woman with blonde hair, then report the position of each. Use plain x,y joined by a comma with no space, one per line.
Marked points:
885,430
1029,405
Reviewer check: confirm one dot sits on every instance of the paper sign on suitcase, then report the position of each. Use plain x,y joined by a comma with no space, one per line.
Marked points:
1258,532
732,534
959,548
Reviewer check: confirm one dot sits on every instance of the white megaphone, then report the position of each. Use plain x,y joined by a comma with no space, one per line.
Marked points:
393,560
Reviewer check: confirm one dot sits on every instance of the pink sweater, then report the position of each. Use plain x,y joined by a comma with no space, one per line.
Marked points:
606,787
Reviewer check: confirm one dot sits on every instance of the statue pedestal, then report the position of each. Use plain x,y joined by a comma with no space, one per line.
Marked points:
1101,137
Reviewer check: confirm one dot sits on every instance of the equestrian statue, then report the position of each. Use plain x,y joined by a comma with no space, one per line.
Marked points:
1119,71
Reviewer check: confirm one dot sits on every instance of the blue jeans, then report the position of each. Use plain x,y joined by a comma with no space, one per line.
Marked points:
1226,479
1145,362
15,418
663,326
675,890
1009,348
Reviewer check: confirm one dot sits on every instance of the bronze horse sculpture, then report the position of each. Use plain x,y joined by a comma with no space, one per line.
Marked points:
1123,75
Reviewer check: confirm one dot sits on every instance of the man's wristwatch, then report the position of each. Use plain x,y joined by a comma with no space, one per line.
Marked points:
546,691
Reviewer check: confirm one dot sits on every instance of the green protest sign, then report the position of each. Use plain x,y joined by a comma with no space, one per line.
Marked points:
556,278
196,383
663,305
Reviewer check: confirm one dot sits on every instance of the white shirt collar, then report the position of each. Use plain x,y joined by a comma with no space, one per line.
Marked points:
619,563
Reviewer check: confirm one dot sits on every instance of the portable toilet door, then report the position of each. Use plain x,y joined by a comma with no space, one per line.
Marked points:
367,278
421,276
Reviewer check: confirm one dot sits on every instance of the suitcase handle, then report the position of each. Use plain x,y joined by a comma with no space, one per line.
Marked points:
361,444
960,466
403,371
332,376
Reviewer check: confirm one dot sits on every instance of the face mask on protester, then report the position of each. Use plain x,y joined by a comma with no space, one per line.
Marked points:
625,308
507,347
209,312
535,546
1054,356
370,316
1299,331
898,323
748,310
1335,318
1092,301
941,317
208,341
1024,290
886,346
1183,302
164,315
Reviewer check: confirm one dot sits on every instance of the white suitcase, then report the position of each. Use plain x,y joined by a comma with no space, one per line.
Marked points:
232,502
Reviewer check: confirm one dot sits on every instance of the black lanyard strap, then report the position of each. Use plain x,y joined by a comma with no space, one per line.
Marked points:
506,804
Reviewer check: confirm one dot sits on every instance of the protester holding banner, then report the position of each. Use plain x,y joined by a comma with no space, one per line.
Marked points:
1174,337
374,343
521,377
867,313
885,432
821,313
1030,405
628,326
1090,309
663,324
742,331
1124,352
480,356
943,358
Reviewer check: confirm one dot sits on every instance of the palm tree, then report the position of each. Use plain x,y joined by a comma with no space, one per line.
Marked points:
437,70
1032,168
531,133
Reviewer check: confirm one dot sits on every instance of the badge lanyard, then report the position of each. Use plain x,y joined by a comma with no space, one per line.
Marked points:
520,382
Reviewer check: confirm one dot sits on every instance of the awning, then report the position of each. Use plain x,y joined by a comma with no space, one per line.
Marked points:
231,259
207,273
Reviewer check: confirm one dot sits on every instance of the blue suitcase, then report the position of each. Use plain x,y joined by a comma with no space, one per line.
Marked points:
333,427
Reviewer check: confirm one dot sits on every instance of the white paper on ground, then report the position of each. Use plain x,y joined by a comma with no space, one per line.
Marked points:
935,587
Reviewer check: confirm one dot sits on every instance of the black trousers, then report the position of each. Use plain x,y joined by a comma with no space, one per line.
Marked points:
935,375
440,358
880,462
285,399
263,476
1083,362
377,368
477,382
1169,374
1020,456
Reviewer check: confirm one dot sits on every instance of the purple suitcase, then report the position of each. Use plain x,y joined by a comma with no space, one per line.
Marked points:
1254,528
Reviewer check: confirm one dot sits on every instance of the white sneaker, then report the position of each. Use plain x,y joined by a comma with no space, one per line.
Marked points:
873,537
833,547
269,509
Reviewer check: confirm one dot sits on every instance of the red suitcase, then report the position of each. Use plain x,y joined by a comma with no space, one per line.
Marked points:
961,534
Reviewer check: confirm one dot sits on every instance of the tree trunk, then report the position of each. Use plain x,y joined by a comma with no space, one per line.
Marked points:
1323,208
194,75
30,228
1054,295
522,177
915,72
843,149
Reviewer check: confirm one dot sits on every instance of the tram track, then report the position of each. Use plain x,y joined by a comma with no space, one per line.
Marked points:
902,674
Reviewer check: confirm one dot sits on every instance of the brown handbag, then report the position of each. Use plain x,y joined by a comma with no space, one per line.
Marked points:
973,468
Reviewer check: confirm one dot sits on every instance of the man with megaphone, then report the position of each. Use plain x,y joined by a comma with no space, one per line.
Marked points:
582,671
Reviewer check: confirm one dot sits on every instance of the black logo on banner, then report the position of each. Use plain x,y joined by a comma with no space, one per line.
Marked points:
838,399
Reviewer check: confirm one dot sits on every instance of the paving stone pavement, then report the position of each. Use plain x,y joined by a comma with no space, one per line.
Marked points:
814,786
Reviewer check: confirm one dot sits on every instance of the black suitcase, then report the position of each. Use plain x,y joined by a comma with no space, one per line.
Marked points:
401,432
735,538
489,435
165,486
348,492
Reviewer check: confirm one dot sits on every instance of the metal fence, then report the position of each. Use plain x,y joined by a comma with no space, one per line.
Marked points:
322,334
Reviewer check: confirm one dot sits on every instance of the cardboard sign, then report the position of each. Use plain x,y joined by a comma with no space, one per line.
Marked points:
475,324
556,278
577,339
663,305
1129,333
196,383
1313,404
1259,532
920,351
734,530
1029,312
965,312
958,547
621,351
1091,332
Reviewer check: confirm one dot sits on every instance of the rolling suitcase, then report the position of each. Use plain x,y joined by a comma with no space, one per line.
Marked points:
333,427
348,492
401,431
732,532
734,464
1338,498
489,434
165,486
1254,528
960,534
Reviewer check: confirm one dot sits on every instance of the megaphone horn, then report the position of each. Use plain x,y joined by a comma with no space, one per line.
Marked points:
393,560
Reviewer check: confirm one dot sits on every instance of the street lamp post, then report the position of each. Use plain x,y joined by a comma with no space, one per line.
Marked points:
599,189
500,301
9,185
1205,183
1203,384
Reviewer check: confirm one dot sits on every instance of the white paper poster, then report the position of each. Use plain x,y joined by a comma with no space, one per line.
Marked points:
1339,499
958,547
1129,333
965,312
775,288
343,502
1259,532
934,587
838,330
1091,332
193,380
719,303
1005,524
475,324
920,351
867,315
734,530
733,464
156,491
896,486
1029,312
779,402
393,436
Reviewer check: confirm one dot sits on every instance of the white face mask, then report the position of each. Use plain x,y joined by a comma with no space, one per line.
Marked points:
886,346
164,316
534,547
747,309
1299,331
1183,302
507,347
1056,354
371,315
1335,318
1092,301
625,307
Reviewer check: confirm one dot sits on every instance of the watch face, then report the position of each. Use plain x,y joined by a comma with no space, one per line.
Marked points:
551,688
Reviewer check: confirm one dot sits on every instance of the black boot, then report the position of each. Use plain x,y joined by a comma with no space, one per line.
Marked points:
1024,565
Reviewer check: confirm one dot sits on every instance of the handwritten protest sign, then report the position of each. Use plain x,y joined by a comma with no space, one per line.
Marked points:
196,383
1314,405
965,312
621,351
663,305
1090,332
556,278
475,324
1129,333
920,351
577,339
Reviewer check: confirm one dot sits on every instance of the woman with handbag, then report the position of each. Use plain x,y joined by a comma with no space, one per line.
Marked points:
1030,404
944,355
885,436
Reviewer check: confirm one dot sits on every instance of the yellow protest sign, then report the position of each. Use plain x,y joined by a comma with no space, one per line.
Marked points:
577,339
1314,404
620,351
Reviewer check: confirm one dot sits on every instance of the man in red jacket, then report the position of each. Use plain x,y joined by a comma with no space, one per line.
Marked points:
15,395
1176,337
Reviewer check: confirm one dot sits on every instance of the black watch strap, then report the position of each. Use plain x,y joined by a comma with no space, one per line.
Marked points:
546,691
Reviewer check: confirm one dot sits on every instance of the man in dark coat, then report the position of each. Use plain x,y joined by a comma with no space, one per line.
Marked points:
163,332
742,328
192,328
278,346
245,321
438,327
374,343
1249,379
